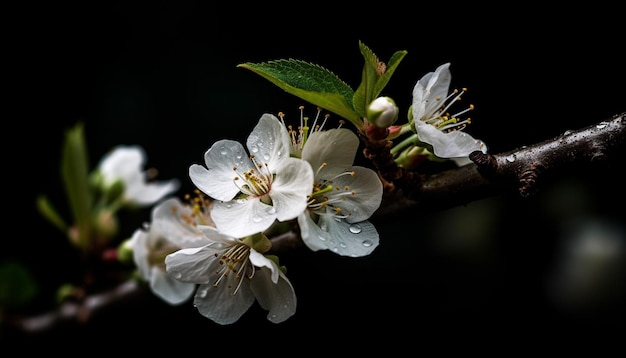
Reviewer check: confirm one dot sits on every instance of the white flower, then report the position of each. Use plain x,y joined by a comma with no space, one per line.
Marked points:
231,275
343,198
125,163
173,226
433,124
252,191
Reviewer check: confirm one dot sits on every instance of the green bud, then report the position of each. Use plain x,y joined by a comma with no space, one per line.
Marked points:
106,225
114,191
382,112
125,252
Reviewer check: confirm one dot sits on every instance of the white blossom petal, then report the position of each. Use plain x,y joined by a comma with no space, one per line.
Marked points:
220,305
269,140
292,184
217,179
368,193
122,162
169,289
258,260
335,147
194,265
140,247
449,145
240,218
144,194
279,298
430,91
345,239
167,220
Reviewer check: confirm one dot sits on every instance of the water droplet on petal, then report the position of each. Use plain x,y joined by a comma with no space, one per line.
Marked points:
256,219
202,293
271,210
266,156
367,243
223,150
510,158
601,125
355,228
178,275
254,148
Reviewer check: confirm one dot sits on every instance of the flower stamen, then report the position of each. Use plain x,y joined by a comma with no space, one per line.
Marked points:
325,198
236,260
256,183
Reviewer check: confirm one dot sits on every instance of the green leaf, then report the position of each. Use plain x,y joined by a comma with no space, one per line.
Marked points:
49,212
375,76
364,93
392,65
75,174
310,82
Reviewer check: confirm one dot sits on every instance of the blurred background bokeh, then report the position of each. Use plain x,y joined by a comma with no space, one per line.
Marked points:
163,75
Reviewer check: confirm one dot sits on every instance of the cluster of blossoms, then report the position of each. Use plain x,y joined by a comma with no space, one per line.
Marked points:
214,246
217,240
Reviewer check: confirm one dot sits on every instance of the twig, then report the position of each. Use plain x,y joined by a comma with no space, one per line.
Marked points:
79,312
522,170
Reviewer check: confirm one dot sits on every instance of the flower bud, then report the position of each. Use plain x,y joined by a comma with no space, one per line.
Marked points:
105,225
382,112
125,251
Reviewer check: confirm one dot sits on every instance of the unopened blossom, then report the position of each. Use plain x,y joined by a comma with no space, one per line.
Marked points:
124,165
232,274
254,189
382,112
173,226
344,196
432,120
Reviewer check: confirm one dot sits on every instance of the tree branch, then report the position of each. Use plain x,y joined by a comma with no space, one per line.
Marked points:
80,311
522,170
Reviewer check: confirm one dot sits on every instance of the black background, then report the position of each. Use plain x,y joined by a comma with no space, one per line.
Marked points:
163,75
